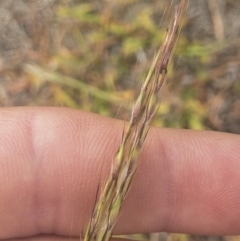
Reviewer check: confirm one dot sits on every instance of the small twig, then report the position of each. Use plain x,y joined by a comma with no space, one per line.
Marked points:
106,210
54,77
217,19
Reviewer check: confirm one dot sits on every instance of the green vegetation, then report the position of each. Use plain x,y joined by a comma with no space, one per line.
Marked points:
101,55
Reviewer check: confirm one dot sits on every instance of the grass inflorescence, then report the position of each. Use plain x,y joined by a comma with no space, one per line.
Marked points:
107,208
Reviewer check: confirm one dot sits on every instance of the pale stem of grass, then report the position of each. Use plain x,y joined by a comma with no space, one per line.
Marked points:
107,208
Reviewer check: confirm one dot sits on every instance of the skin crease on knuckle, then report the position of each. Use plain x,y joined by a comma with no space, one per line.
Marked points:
48,147
191,186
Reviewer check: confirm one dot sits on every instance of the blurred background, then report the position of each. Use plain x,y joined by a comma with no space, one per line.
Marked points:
93,55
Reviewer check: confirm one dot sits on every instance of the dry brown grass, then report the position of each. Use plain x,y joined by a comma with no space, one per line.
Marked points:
106,210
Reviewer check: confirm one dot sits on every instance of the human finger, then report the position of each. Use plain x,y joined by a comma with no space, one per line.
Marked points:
52,161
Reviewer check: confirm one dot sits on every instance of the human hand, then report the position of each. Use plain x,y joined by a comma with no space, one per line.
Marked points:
53,159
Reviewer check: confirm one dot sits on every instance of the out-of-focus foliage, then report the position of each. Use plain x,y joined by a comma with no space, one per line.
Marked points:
101,47
93,55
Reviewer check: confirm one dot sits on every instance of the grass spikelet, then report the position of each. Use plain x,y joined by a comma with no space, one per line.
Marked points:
107,208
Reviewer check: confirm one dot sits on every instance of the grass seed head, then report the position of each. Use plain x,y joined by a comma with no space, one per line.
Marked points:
106,211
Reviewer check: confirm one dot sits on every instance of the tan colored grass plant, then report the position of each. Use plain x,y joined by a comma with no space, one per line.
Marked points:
107,208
